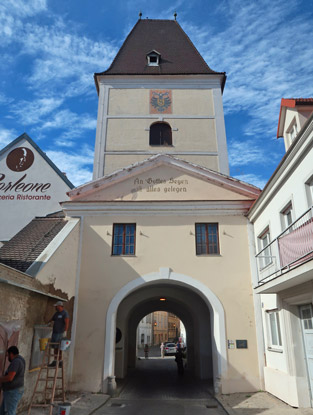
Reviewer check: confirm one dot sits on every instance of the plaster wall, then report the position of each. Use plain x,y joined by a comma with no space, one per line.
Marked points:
287,367
29,309
62,277
185,102
163,183
165,241
192,135
116,162
124,119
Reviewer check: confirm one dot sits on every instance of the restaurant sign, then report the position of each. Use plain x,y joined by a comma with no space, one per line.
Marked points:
18,160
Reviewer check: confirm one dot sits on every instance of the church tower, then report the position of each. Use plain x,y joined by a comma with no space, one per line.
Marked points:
159,96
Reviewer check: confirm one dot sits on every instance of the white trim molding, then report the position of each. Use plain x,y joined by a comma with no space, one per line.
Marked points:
220,208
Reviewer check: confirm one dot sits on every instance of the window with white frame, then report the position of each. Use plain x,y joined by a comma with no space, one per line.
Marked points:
293,131
274,330
265,254
286,216
153,58
309,191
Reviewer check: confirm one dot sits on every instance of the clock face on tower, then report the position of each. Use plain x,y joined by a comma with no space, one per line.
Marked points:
161,101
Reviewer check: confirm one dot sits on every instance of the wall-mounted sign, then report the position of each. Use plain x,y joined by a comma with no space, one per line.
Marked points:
20,159
161,101
30,185
242,344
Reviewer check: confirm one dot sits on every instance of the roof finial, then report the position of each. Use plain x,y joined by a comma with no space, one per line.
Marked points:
140,14
175,15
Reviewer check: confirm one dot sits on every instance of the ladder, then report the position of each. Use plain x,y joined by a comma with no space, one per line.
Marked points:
49,377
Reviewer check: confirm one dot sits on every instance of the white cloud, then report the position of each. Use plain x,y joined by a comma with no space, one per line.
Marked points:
252,179
77,166
60,142
74,125
31,112
242,153
6,136
262,55
4,100
11,14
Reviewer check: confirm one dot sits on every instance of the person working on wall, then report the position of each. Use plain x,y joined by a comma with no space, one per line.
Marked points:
12,382
61,322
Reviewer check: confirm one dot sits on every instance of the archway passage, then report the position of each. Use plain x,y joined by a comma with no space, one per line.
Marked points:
196,316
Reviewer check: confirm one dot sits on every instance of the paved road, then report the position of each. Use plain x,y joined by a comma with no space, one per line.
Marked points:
154,388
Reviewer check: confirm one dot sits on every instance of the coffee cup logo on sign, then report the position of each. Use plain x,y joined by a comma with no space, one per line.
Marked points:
20,159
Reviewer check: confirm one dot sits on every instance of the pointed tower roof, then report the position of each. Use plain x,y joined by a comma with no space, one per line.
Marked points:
178,55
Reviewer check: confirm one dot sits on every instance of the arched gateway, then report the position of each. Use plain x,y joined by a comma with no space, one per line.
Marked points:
198,307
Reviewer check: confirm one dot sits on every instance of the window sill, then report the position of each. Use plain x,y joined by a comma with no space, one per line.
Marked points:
160,145
124,256
208,255
272,349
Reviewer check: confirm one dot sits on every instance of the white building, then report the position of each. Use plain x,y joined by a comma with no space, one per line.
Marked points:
30,185
283,224
144,331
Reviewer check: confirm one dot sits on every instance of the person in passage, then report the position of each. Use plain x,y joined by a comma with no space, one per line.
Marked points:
61,323
146,350
179,362
12,382
162,349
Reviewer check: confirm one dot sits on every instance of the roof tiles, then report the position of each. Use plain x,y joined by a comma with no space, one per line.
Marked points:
178,54
26,246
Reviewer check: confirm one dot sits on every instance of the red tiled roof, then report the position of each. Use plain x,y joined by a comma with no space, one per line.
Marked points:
178,54
25,247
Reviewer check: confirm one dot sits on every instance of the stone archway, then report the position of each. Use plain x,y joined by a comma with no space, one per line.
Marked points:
180,281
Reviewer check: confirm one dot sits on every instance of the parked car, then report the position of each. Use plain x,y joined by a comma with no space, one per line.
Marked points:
169,349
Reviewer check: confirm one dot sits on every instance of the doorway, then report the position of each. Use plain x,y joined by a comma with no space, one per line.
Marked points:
306,314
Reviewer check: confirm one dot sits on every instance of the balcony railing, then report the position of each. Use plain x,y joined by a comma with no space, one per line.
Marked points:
291,248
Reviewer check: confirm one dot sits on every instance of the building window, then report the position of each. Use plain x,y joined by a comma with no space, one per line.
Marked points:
309,191
265,256
306,317
207,242
153,58
275,333
286,216
293,131
160,134
124,239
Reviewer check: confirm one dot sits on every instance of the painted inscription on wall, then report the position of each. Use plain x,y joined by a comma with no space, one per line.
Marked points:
161,101
21,188
160,185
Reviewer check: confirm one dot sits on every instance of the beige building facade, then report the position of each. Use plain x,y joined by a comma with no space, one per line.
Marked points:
161,220
210,292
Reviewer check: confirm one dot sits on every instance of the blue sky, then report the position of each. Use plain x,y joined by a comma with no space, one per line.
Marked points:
51,48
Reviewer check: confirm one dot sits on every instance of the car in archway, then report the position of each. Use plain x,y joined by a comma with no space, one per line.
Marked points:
170,349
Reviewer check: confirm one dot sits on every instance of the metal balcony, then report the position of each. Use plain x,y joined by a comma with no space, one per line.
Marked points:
291,248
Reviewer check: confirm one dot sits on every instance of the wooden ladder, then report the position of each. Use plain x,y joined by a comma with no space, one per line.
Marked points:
50,380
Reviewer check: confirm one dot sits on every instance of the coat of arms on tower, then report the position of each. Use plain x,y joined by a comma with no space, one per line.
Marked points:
160,101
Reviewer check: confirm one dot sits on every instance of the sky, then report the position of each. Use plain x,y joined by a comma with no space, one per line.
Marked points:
50,50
